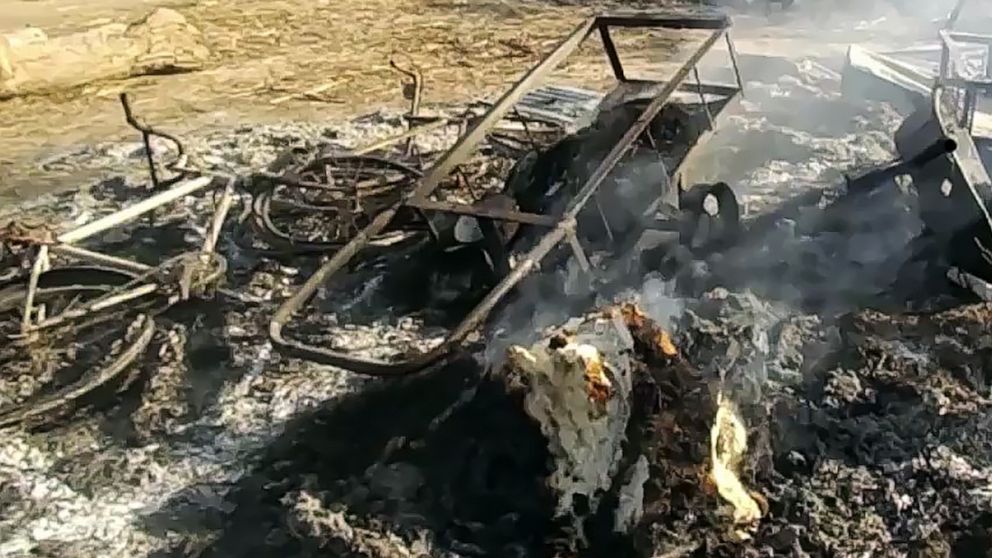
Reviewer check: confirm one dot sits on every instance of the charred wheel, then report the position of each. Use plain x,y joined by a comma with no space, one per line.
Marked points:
47,371
322,204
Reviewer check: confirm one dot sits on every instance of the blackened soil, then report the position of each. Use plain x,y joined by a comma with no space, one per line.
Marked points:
445,452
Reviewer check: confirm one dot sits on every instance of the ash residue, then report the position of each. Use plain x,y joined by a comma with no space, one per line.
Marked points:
459,466
891,435
874,443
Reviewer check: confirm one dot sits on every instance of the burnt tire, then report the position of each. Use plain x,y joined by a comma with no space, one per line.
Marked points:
710,219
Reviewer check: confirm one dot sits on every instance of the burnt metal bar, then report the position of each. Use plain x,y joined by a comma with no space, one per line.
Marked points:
711,22
98,258
702,96
144,206
580,254
220,215
564,226
709,89
468,142
879,176
146,134
733,61
611,52
485,212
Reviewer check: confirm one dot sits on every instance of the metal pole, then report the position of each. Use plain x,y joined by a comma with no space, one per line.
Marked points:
136,210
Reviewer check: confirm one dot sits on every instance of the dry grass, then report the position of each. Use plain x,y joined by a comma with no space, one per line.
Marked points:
464,49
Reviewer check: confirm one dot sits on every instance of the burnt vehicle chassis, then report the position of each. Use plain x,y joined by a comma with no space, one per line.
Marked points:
648,109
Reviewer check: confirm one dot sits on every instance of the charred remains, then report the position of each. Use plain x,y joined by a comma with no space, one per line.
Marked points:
595,352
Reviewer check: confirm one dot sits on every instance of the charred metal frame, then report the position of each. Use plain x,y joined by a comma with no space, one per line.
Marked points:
133,284
65,244
950,78
955,100
187,182
561,227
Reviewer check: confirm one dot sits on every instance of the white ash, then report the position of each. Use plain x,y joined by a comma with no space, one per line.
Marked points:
631,498
585,435
105,519
384,341
310,517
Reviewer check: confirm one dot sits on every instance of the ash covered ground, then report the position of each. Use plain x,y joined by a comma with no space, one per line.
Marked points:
868,424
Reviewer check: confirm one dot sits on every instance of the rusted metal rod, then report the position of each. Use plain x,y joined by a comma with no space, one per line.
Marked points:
486,212
39,267
733,61
97,257
580,254
220,215
136,210
146,133
102,303
710,22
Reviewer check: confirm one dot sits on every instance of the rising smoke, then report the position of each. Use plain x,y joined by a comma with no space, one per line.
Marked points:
785,154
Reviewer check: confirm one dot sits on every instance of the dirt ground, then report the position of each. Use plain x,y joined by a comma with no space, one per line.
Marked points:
280,60
263,51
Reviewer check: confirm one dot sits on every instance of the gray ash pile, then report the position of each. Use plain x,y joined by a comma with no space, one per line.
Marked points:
860,437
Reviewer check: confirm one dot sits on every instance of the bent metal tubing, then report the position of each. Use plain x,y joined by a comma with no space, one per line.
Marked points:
564,228
64,243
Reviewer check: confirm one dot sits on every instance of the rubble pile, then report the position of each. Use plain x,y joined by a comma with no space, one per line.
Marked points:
843,455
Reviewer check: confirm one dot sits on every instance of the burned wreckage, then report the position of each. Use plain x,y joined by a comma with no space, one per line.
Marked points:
588,178
946,89
636,159
547,202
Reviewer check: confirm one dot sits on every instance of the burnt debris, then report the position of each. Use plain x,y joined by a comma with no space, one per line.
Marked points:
696,418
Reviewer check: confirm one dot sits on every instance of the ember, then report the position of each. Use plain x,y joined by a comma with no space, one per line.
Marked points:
728,444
